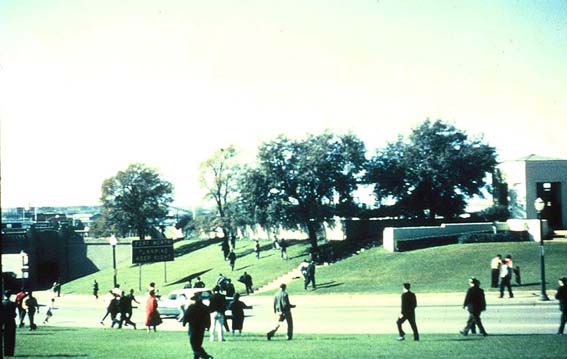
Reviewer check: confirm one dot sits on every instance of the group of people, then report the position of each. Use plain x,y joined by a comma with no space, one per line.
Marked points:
501,271
24,305
475,303
119,307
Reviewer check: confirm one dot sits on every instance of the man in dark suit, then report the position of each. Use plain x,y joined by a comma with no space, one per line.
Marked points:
476,304
197,315
561,296
409,302
282,308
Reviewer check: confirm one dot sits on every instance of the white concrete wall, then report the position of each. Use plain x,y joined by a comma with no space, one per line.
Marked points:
393,234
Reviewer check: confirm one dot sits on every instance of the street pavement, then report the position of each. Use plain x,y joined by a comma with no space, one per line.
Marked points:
346,314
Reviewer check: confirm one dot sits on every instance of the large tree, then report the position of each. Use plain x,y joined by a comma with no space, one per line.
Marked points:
218,176
433,171
136,199
301,182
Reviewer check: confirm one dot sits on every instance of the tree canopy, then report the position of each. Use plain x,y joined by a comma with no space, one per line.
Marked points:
218,176
433,171
136,199
299,183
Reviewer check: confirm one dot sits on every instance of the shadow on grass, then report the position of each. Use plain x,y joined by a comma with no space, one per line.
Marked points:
52,356
241,268
471,337
189,277
195,245
328,285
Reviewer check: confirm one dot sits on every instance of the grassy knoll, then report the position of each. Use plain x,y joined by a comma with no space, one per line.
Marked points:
198,257
438,269
107,343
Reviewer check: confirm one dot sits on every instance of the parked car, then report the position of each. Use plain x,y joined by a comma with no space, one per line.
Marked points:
174,303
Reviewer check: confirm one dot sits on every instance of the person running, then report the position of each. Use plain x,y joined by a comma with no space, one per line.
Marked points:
310,278
217,306
49,312
232,259
282,308
561,296
283,249
409,303
126,309
246,279
107,300
475,303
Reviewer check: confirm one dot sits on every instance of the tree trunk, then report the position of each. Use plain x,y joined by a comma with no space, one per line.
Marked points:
311,228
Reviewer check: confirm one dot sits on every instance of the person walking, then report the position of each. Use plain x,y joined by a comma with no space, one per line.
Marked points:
20,305
475,303
229,289
232,259
257,248
495,264
95,289
283,248
409,303
237,307
217,306
246,279
282,308
33,307
8,324
561,296
197,316
506,277
153,318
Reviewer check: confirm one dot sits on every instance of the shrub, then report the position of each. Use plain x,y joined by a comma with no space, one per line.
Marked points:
489,237
413,244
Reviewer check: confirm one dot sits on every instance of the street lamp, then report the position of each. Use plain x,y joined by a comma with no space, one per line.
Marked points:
539,205
113,242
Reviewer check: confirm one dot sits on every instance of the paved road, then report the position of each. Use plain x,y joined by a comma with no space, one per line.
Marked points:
353,314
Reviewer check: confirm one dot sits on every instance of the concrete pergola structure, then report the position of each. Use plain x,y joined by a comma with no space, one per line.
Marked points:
534,176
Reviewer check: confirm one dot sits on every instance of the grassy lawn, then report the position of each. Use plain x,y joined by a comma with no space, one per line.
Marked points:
438,269
107,343
198,258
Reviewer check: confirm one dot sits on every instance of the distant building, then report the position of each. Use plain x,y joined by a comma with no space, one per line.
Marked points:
531,177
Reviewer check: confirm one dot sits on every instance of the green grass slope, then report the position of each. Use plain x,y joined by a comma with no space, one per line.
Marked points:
197,258
438,269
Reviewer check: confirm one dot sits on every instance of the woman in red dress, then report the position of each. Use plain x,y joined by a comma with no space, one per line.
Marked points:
153,318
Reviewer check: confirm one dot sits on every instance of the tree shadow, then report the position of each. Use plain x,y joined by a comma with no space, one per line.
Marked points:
52,356
196,245
189,277
241,268
328,285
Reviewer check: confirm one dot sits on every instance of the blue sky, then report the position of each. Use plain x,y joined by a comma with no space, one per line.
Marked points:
88,87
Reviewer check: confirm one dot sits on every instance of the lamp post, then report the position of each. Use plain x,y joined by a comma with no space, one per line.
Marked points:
539,205
113,242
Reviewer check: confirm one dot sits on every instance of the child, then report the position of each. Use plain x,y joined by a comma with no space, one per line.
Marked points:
49,312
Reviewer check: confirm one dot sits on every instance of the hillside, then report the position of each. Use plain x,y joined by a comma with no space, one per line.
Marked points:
439,269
